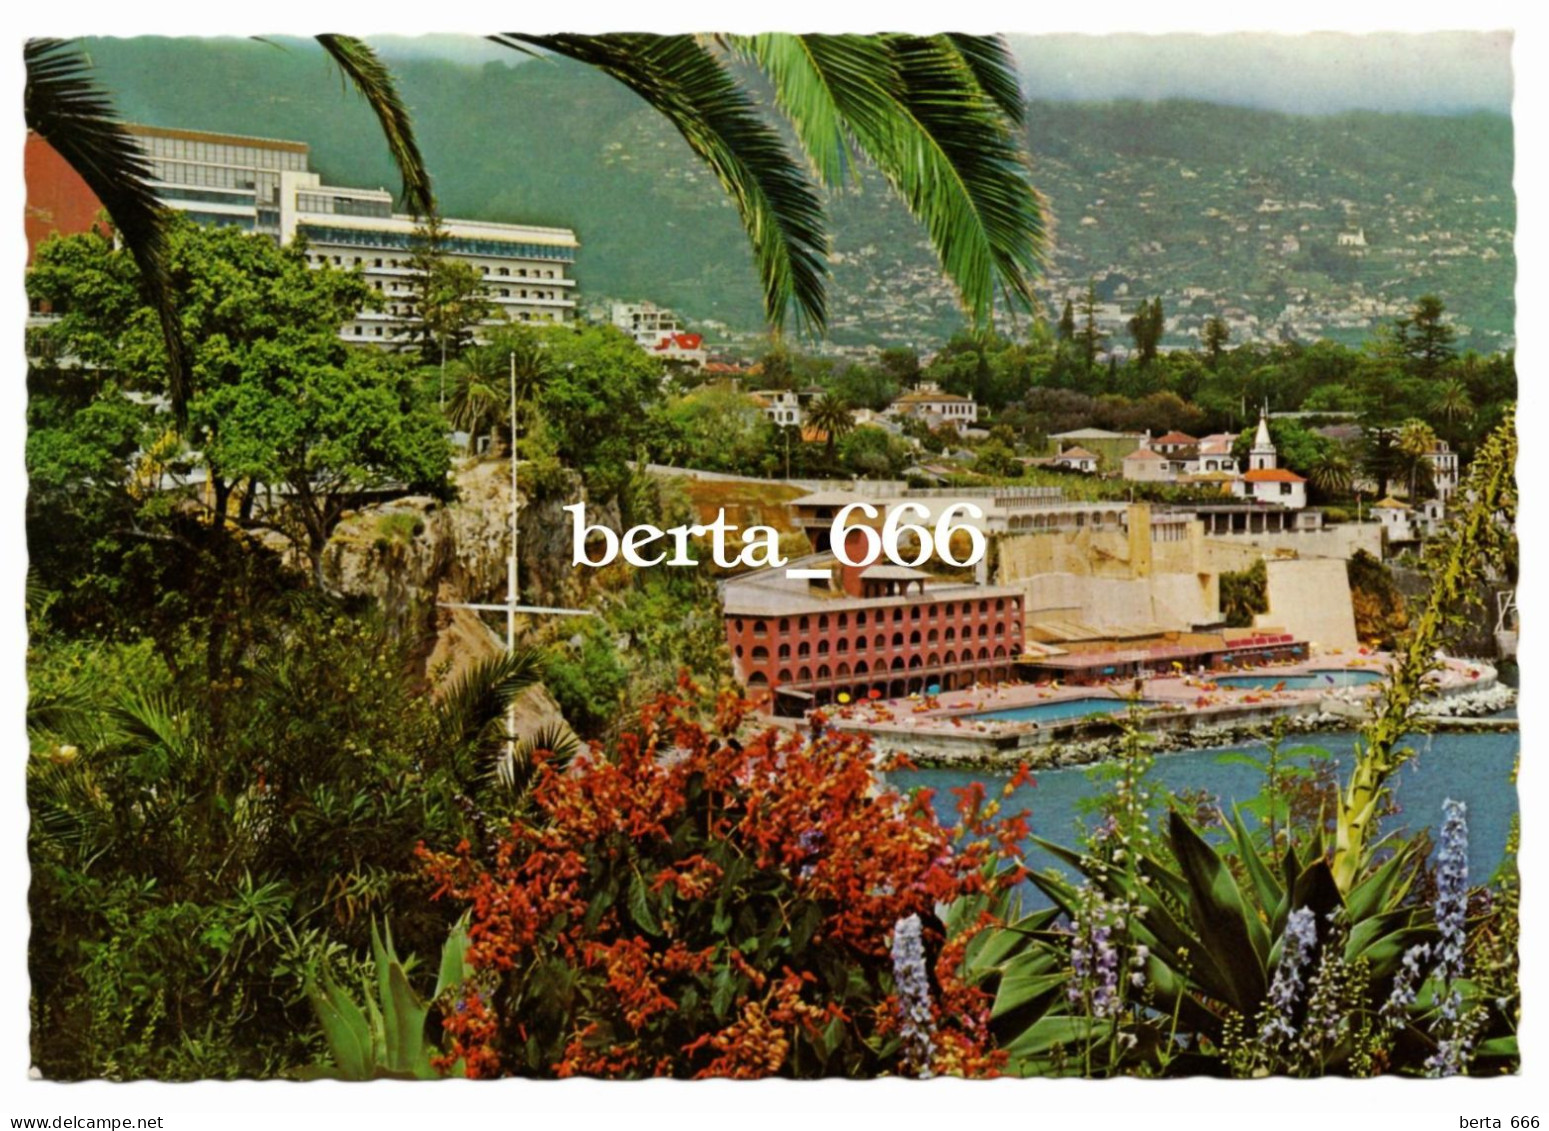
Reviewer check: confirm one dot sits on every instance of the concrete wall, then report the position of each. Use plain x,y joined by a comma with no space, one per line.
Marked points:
1341,541
1113,577
1311,600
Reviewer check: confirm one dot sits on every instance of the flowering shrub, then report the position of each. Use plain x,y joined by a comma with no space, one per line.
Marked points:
686,905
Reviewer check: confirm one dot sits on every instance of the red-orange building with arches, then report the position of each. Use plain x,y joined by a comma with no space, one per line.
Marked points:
875,627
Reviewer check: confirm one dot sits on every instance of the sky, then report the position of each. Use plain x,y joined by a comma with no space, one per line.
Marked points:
1440,72
1320,73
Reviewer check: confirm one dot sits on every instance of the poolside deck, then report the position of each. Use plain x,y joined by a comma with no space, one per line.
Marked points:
959,721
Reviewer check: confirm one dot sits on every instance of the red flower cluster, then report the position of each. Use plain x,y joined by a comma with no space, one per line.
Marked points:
687,905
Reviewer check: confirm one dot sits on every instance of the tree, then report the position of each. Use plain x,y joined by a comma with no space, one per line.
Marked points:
1379,455
715,428
1091,338
1146,328
1214,337
996,458
1067,326
1244,594
874,453
68,110
1415,442
1331,473
1427,339
280,404
901,364
1452,402
593,398
446,298
833,416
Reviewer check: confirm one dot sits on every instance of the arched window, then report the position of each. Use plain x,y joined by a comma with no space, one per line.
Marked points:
760,654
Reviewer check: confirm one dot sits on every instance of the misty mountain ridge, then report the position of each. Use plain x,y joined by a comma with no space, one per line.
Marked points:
1215,208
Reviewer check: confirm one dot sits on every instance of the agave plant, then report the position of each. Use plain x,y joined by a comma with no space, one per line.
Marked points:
383,1035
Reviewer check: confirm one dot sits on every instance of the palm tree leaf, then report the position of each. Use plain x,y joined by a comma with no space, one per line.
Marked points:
780,209
819,80
964,175
469,705
374,82
992,65
921,110
76,117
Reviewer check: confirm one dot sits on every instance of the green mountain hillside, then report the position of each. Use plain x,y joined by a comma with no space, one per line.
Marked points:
1216,209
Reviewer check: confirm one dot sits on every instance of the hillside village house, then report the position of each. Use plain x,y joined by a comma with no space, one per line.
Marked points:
659,332
1444,469
1145,465
1109,447
781,406
1077,459
935,408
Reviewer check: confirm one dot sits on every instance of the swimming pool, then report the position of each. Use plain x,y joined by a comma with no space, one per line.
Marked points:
1057,712
1316,680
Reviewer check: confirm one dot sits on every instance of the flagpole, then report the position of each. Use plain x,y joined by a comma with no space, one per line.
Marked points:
511,578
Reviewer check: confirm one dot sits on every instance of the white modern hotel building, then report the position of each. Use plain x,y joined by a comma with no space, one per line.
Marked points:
265,186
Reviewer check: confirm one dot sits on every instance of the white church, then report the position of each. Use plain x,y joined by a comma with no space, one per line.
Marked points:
1264,481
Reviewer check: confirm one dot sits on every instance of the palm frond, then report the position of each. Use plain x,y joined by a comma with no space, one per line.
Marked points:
780,209
374,82
76,117
476,701
963,173
819,80
517,773
930,113
990,61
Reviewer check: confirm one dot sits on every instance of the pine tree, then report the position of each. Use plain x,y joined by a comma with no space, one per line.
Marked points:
1067,328
1214,338
1091,337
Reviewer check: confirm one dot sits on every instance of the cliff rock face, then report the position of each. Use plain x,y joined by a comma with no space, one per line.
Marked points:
414,555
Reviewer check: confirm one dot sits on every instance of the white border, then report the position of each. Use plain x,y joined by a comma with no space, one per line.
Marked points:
1187,1104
